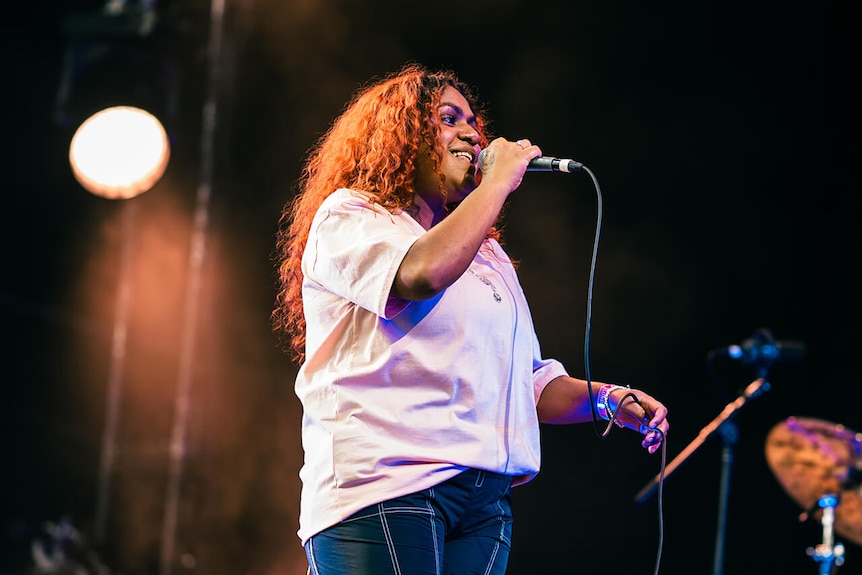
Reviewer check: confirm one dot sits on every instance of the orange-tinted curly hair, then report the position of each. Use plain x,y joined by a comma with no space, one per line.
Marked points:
372,146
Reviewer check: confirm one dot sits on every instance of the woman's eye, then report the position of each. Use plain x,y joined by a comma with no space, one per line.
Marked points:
448,119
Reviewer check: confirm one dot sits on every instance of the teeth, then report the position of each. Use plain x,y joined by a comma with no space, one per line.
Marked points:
463,155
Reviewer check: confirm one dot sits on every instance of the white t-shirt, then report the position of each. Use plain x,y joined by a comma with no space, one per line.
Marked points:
399,396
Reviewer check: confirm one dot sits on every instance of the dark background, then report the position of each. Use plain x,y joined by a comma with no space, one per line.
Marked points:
725,139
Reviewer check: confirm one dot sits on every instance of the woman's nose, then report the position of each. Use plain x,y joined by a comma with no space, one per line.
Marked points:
469,134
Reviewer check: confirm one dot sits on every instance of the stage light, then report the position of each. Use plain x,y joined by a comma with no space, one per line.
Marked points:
119,152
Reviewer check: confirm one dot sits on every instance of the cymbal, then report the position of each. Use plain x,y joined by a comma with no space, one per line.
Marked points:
812,458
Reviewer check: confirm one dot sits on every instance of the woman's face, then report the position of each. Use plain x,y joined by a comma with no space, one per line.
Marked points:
458,145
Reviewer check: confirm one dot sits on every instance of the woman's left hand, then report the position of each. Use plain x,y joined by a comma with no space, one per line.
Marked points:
643,413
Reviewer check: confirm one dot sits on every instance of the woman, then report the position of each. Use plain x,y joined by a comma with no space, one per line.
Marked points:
421,378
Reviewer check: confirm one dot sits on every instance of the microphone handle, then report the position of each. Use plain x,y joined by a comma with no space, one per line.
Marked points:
549,164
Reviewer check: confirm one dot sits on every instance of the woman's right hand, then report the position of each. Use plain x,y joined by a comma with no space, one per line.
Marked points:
503,163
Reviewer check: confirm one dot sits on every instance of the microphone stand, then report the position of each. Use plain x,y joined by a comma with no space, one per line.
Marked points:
730,435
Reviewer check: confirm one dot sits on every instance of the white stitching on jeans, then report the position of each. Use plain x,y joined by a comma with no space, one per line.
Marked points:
312,567
381,512
431,516
480,478
493,558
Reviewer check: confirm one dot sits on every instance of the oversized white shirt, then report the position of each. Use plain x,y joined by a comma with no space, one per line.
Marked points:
399,396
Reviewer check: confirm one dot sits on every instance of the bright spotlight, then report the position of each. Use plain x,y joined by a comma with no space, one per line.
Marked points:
119,152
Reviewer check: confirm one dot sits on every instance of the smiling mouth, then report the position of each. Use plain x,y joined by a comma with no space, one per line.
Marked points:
463,154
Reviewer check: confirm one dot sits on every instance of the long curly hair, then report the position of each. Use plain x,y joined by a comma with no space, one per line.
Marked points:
372,146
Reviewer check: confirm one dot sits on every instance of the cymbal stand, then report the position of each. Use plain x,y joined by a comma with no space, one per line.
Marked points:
730,435
830,555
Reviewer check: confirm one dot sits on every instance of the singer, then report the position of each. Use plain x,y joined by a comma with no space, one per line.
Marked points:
420,374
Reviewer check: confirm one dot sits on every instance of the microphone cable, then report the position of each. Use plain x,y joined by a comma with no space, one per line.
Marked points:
660,495
613,417
589,318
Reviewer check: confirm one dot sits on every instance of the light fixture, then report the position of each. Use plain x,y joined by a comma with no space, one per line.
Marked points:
119,152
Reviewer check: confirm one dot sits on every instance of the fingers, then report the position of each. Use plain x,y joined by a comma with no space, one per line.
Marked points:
526,145
652,421
504,162
652,441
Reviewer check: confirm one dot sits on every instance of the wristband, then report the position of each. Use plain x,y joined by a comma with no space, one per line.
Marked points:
602,403
603,400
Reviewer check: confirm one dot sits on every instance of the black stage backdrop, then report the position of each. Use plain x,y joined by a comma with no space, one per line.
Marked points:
725,139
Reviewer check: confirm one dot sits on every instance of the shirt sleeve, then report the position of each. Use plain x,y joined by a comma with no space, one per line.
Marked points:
544,371
354,250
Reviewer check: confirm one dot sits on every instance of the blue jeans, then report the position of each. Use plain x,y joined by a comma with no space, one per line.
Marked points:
461,527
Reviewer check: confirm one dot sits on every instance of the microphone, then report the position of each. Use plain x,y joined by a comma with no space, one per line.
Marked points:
763,351
544,164
549,164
